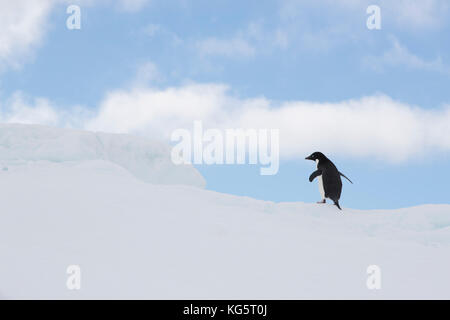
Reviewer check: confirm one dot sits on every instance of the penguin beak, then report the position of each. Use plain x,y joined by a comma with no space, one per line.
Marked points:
308,158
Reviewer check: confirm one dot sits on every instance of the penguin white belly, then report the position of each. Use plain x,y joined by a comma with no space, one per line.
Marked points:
321,189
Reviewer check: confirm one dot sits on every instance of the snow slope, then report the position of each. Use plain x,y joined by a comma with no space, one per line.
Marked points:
147,160
134,239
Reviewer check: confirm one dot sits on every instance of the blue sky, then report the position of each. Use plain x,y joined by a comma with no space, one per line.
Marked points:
318,53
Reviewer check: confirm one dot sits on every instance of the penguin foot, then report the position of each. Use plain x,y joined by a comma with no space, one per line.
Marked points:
322,201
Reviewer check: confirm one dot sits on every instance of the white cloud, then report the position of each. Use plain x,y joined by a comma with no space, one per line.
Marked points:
418,14
399,55
324,24
158,112
22,26
406,14
18,110
374,126
253,39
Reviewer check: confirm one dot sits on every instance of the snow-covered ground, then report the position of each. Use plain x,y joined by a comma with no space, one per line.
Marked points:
140,228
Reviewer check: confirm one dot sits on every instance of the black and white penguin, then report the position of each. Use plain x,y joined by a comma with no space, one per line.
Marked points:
330,183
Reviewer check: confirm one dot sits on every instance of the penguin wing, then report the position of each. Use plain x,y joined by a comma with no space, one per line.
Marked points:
314,175
345,177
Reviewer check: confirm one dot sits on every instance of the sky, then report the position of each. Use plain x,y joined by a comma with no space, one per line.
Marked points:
375,101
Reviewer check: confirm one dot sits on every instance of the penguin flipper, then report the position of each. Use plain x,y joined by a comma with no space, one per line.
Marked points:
345,177
314,175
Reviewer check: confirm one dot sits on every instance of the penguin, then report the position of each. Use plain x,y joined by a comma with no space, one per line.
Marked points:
330,183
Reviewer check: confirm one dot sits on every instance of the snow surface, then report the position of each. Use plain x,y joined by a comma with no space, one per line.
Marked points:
147,160
79,198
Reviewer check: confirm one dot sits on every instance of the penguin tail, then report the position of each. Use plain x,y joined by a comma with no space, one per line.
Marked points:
345,177
336,203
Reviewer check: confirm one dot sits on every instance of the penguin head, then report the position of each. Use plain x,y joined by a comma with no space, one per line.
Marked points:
316,156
